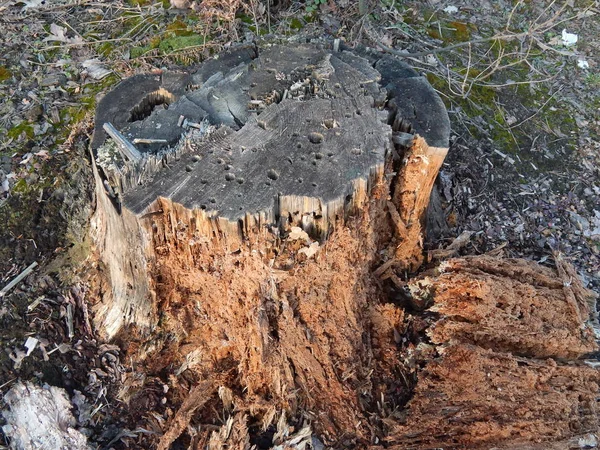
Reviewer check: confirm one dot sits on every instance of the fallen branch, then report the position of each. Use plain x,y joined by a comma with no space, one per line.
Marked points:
458,243
127,148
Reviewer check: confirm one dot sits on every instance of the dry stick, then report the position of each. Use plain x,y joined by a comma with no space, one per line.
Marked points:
150,141
502,37
17,279
81,44
535,113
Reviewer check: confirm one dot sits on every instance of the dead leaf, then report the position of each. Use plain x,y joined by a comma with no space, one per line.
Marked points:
95,69
59,34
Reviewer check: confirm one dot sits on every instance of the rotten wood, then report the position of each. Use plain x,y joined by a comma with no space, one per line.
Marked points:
268,241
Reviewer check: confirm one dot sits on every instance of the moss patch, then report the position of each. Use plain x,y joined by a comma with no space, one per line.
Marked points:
180,42
5,74
516,137
16,131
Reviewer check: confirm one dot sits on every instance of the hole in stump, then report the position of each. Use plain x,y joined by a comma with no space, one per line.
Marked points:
149,102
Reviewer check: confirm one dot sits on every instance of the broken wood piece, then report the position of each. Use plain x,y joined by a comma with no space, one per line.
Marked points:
509,363
126,148
69,321
196,399
16,280
458,243
149,141
41,418
398,222
412,191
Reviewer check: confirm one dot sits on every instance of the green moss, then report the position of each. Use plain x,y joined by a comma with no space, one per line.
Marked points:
245,18
20,187
17,130
170,45
86,104
5,74
178,28
296,24
593,79
516,139
154,43
462,31
105,49
451,32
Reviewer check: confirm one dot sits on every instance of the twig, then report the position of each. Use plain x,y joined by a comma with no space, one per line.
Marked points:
69,320
535,113
149,141
81,44
497,37
18,279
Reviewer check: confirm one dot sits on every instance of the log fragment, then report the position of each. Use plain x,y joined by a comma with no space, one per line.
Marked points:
509,369
40,418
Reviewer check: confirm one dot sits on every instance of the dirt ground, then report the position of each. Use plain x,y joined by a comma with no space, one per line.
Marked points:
522,172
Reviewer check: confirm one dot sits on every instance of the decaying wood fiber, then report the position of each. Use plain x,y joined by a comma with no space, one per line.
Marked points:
293,336
510,341
295,340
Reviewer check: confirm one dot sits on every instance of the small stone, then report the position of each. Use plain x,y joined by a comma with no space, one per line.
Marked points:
34,113
55,79
316,138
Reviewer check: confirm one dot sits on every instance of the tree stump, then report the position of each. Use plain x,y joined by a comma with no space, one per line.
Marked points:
256,221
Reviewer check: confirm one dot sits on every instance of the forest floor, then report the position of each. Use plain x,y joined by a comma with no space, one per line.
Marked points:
523,170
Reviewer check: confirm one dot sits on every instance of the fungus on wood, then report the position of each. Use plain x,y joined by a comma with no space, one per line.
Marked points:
255,216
